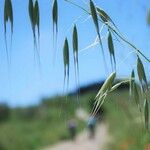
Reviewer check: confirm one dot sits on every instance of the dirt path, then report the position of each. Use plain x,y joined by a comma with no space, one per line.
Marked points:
83,142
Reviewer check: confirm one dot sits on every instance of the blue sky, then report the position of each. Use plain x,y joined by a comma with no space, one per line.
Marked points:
23,84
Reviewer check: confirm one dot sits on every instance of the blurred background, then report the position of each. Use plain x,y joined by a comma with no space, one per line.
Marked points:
35,113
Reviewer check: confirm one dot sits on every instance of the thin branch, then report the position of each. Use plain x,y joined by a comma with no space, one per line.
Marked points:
119,35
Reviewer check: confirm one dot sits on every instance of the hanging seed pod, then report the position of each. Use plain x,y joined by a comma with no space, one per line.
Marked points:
75,52
116,86
75,46
98,103
105,17
55,16
136,95
34,15
66,53
107,85
37,16
66,61
132,83
101,96
75,40
146,114
8,16
94,15
141,73
31,14
95,20
111,49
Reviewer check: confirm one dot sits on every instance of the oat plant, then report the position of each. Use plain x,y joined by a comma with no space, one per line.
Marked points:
99,18
138,76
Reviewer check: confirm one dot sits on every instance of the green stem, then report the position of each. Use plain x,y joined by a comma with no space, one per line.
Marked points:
77,6
126,41
120,36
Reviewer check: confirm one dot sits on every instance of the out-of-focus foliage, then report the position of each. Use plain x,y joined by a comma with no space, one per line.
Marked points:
126,123
35,127
4,112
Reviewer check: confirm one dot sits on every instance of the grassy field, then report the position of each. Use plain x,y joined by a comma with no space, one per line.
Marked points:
40,126
126,124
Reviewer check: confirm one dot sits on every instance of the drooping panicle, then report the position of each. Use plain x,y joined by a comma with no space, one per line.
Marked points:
8,16
111,50
95,20
142,75
34,15
146,113
55,17
102,93
66,61
75,54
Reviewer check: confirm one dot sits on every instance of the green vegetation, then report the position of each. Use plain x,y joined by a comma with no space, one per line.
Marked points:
40,126
4,112
108,30
125,124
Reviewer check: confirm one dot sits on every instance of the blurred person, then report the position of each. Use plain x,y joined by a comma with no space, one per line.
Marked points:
72,127
91,126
